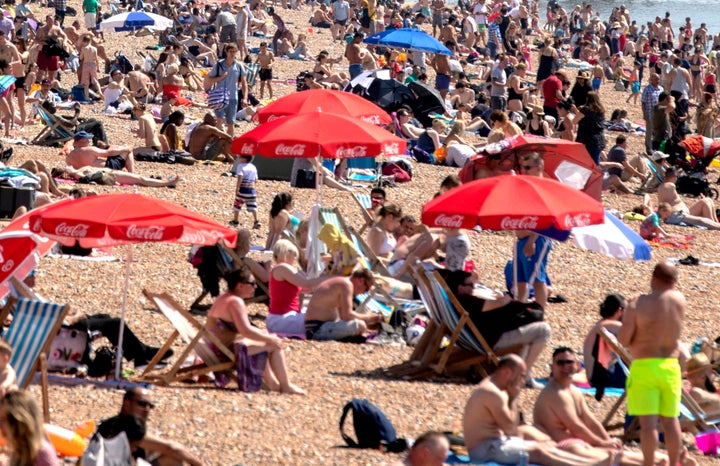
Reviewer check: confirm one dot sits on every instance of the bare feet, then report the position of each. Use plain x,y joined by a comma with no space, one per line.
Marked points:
173,181
293,389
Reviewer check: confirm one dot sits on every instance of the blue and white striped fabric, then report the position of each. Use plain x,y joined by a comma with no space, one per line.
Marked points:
450,316
364,200
33,321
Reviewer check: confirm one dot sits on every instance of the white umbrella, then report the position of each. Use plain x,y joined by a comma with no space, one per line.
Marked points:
134,20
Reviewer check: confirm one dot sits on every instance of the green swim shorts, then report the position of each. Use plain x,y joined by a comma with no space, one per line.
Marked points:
654,387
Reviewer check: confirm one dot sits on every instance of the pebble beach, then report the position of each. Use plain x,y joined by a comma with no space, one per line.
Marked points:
227,427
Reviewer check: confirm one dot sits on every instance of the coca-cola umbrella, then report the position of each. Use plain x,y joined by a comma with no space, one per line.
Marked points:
318,134
125,219
326,101
516,202
18,256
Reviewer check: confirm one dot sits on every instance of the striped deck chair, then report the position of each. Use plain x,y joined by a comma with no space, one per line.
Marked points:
367,255
363,200
54,132
197,339
35,323
691,415
252,70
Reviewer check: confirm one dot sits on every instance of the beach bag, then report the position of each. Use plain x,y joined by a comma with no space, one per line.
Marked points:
372,427
401,175
619,85
305,179
107,452
218,96
67,349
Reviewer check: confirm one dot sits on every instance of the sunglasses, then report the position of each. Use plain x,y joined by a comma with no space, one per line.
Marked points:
565,362
529,167
252,283
145,404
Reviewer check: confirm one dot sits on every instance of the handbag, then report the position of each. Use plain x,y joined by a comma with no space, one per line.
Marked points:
67,349
218,96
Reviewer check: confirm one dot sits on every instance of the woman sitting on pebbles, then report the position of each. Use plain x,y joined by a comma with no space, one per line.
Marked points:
228,320
380,237
324,74
286,282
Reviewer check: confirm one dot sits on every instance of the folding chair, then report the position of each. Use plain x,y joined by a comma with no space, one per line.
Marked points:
55,132
367,255
197,338
35,323
363,200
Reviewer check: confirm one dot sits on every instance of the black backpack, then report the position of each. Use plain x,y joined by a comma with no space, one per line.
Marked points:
372,427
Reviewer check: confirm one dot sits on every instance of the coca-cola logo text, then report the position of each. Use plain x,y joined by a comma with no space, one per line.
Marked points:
2,255
8,266
351,152
579,220
150,233
392,149
72,231
372,119
527,222
247,149
297,150
449,221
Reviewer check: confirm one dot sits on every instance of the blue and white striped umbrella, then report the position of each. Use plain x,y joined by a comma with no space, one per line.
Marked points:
135,20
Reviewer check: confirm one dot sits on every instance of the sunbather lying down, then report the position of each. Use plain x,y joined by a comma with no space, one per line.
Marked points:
109,176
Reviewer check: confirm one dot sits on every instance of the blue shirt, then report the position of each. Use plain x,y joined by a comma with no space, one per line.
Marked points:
234,73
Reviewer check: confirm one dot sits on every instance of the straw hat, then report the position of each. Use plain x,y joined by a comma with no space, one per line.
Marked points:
584,74
616,25
537,110
697,363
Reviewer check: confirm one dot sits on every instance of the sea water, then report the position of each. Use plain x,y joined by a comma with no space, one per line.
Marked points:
642,11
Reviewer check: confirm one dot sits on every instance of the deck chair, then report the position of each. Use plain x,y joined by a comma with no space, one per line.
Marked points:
691,414
365,204
197,339
35,323
55,132
371,261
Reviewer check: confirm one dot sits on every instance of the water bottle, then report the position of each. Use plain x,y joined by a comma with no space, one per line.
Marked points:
524,459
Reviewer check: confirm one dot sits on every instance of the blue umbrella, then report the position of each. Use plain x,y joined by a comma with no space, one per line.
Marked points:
133,20
408,38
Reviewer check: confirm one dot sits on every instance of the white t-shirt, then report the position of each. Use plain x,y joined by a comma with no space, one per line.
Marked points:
480,12
248,172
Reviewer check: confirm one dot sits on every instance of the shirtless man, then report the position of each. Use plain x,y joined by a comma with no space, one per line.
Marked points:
148,131
651,330
437,10
701,213
449,32
265,59
441,64
48,65
90,64
140,85
330,314
561,412
120,176
421,246
207,142
354,55
85,155
490,422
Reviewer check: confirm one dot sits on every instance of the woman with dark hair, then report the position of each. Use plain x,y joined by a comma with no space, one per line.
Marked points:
590,121
22,427
380,236
566,124
170,128
280,218
581,88
258,353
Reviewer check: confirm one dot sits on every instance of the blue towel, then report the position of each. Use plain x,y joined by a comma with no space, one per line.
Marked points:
609,391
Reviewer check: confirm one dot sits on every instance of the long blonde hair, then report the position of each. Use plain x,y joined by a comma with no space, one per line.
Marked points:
24,427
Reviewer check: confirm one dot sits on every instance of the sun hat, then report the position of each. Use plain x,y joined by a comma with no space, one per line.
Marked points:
584,74
658,156
698,362
616,25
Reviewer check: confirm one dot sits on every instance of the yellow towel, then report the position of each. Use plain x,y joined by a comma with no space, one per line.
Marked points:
342,249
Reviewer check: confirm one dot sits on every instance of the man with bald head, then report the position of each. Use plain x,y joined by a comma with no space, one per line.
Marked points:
138,403
651,329
490,422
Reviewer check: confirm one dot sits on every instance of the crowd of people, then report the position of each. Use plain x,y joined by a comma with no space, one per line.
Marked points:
494,89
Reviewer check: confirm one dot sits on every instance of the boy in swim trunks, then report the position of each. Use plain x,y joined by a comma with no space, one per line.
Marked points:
651,330
265,59
89,59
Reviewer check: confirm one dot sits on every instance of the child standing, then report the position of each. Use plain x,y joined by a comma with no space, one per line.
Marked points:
245,191
634,83
265,59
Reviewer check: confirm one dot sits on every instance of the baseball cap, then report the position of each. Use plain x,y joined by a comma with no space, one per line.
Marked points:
82,135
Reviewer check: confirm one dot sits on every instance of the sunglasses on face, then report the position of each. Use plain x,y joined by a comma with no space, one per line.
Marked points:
565,362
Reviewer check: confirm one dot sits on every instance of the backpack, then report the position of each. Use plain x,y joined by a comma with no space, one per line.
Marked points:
372,427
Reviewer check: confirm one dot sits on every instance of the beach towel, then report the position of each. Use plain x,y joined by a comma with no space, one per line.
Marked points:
342,249
673,242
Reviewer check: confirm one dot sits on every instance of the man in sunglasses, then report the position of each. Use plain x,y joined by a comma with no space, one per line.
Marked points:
138,403
561,412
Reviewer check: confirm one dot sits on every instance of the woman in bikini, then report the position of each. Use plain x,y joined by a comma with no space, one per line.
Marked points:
380,237
256,351
280,218
698,63
323,73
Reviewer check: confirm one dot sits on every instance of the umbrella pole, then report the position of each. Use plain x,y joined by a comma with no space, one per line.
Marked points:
542,255
319,179
118,360
514,289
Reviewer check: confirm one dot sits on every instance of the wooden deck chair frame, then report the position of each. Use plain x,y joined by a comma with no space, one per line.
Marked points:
40,362
195,342
367,216
701,421
53,127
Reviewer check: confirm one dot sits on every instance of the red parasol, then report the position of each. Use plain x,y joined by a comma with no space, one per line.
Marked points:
17,256
318,134
325,101
513,203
